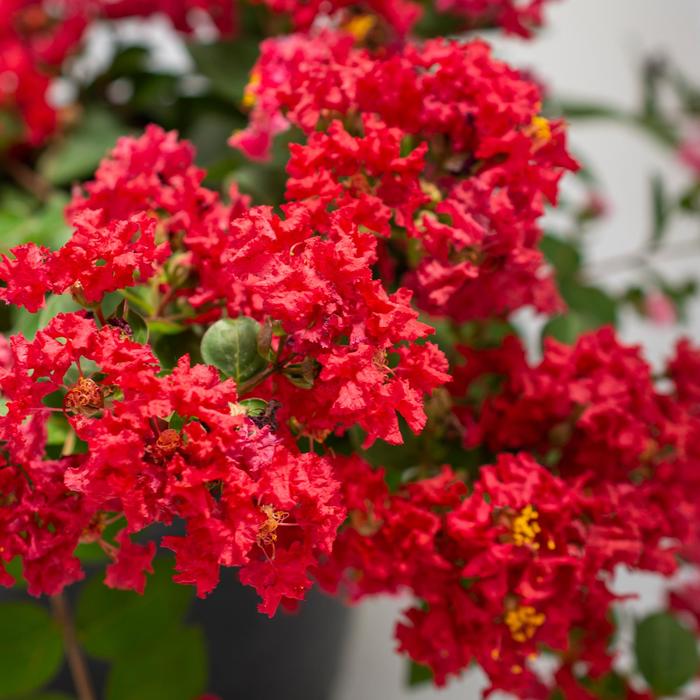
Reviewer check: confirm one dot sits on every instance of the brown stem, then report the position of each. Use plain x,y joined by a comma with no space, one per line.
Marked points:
247,386
164,301
76,660
28,179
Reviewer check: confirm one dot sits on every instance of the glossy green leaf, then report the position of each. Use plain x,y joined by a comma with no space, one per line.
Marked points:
109,622
231,345
666,652
31,648
138,326
254,407
173,667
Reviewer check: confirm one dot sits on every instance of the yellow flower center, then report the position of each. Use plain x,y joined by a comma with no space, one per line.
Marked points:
360,26
523,622
540,129
525,527
249,95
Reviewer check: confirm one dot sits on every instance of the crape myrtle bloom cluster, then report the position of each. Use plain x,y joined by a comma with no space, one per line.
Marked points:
594,466
440,149
158,446
37,36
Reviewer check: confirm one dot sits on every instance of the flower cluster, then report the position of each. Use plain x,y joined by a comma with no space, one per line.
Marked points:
594,468
440,148
261,383
156,448
179,446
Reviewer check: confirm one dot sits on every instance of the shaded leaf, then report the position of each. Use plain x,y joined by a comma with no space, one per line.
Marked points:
226,64
666,652
77,155
110,622
172,668
31,648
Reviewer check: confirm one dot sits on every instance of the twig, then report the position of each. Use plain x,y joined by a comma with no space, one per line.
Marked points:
633,261
76,660
26,178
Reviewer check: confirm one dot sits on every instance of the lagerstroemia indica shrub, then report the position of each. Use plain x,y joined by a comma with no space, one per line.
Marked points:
327,388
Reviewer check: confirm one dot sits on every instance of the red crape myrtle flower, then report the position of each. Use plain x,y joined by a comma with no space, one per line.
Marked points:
159,447
96,260
513,16
310,272
512,567
459,172
594,409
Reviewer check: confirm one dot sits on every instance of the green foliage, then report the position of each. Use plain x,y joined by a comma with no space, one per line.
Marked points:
78,153
660,211
226,65
588,307
231,345
171,667
23,219
666,653
111,622
418,674
31,650
153,655
46,696
138,326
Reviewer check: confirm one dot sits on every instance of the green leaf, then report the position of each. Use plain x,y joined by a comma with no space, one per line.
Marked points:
226,65
138,326
254,407
596,306
660,211
31,648
418,674
28,324
21,221
77,155
563,256
110,621
174,667
49,695
165,327
667,653
231,345
566,328
588,110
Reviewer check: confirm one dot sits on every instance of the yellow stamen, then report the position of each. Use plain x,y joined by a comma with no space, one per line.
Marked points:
523,622
249,95
525,527
360,26
540,129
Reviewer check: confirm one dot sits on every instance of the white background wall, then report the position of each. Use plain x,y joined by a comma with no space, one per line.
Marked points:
591,49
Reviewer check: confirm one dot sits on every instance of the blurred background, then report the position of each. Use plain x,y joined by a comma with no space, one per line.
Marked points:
590,50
